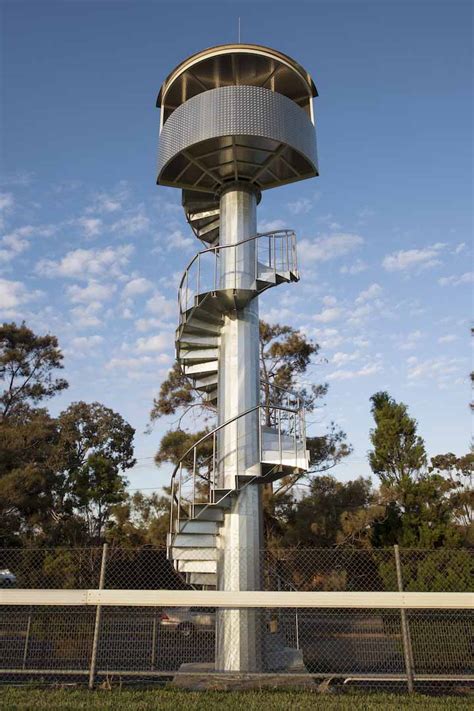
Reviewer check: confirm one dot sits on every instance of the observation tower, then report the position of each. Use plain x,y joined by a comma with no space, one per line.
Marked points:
236,120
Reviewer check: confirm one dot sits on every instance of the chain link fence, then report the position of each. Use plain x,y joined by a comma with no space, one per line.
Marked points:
305,569
426,650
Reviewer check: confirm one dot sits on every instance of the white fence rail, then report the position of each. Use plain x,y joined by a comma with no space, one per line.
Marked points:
241,599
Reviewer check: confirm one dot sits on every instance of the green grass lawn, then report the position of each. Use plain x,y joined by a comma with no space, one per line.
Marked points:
174,700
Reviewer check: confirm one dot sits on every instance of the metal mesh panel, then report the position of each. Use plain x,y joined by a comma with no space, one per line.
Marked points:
332,644
305,569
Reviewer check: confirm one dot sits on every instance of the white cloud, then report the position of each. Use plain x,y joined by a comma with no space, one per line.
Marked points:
328,247
404,260
329,314
6,201
87,315
408,341
85,263
94,291
340,358
457,280
355,268
161,306
271,225
366,370
137,286
109,202
14,294
372,292
91,226
143,325
132,223
83,345
160,342
327,337
300,207
442,369
178,240
18,240
138,363
459,248
448,338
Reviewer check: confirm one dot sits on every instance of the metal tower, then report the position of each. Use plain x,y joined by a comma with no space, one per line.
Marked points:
235,120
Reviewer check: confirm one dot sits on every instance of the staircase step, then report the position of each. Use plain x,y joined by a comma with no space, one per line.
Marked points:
178,553
194,540
208,512
191,340
205,229
197,566
202,526
196,325
203,215
200,355
201,368
206,382
211,396
201,579
204,310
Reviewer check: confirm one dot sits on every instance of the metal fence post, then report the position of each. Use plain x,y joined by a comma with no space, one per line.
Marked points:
27,638
95,641
153,641
407,651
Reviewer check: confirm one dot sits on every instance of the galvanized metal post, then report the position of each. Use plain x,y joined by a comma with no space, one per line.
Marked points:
238,630
407,650
98,614
153,641
27,639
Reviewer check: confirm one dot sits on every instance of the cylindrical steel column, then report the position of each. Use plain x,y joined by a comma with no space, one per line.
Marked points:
238,631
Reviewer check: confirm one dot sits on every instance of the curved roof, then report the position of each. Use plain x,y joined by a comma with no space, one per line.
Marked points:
231,64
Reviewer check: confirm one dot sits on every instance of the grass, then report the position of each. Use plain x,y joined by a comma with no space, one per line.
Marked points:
175,700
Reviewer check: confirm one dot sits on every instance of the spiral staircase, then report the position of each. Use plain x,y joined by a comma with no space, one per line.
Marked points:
198,500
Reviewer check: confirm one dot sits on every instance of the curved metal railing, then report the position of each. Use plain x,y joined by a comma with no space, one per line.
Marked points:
274,252
197,477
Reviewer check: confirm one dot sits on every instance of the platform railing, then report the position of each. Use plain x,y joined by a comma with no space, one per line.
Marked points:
275,252
198,476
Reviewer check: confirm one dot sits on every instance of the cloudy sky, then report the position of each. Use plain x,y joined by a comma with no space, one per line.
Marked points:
91,250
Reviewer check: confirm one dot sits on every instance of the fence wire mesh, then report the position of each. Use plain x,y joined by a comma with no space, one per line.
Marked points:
345,645
337,646
306,569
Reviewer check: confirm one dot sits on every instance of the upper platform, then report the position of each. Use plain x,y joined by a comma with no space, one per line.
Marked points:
236,113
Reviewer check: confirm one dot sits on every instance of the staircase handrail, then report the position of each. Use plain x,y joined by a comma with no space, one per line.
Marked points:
212,433
273,233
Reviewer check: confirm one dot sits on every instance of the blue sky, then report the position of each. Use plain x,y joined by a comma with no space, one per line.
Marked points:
91,250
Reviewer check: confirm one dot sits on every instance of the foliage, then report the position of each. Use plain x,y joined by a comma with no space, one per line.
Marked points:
27,365
59,477
316,519
285,355
399,452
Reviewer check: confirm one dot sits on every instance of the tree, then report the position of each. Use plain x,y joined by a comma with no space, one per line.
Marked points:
140,520
285,355
94,449
421,505
316,519
399,452
59,477
27,475
27,365
459,472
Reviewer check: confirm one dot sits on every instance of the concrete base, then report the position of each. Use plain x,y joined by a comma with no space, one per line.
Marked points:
203,677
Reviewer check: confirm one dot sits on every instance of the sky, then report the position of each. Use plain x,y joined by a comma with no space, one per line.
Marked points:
91,249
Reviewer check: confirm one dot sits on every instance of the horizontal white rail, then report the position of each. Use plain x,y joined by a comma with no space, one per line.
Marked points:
239,599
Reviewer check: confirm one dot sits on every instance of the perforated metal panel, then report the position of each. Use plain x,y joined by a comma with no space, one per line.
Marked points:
236,133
